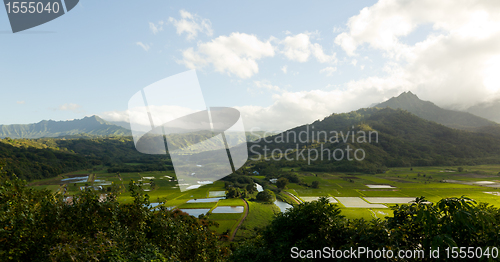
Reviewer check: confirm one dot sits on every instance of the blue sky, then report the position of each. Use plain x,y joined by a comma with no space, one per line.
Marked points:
280,63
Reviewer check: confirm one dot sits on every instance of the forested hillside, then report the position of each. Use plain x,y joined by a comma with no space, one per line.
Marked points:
47,157
403,140
30,160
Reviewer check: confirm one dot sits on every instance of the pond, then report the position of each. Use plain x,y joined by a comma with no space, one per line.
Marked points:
228,209
100,182
282,205
154,204
78,179
82,188
380,186
195,211
259,188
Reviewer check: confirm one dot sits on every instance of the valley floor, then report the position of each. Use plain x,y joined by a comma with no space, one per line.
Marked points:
358,195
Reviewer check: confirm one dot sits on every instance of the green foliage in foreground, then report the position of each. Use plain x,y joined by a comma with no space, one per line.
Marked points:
452,222
40,226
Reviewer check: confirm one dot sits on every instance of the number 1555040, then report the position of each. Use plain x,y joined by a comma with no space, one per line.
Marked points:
32,7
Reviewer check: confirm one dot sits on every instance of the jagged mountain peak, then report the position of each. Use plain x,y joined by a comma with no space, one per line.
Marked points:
429,111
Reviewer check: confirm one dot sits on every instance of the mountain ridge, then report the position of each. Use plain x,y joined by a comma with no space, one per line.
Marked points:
450,118
91,125
403,140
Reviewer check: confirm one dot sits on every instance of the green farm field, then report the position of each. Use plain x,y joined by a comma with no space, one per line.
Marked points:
164,191
433,183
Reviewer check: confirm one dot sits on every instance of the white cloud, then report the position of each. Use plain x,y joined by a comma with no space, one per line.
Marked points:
381,24
238,53
191,24
458,62
291,109
234,54
146,47
284,69
155,28
267,85
70,107
455,63
337,29
328,70
347,43
20,102
160,114
299,48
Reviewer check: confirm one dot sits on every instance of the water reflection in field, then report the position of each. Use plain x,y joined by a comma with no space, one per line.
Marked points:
282,205
78,179
195,211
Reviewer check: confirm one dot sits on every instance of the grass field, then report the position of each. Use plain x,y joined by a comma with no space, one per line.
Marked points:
259,216
231,202
198,205
224,225
221,216
404,183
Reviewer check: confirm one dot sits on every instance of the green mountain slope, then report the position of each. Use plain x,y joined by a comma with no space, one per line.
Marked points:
93,125
429,111
48,157
29,159
403,140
